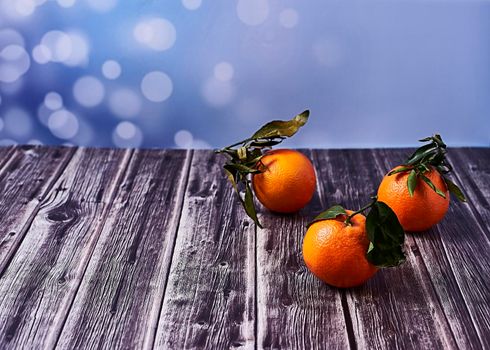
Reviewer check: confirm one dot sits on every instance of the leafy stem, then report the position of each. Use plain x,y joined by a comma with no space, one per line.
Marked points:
385,234
244,157
427,157
367,206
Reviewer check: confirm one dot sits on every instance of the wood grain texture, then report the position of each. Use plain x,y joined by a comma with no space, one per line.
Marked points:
25,179
40,283
5,154
395,309
472,166
209,303
119,299
431,245
295,310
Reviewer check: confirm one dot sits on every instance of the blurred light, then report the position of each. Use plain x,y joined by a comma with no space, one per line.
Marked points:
41,54
111,69
79,50
25,7
288,18
252,12
327,52
59,45
1,124
10,37
192,4
127,134
223,71
88,91
102,5
157,33
183,139
85,134
43,114
14,62
34,142
217,93
53,101
125,103
0,100
63,124
156,86
66,3
17,122
12,88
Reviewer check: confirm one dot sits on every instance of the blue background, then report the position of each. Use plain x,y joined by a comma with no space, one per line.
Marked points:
373,73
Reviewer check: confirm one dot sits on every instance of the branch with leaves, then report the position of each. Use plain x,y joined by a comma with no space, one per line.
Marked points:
425,158
243,157
386,235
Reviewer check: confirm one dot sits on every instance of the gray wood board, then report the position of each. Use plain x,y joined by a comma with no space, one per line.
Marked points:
119,299
209,301
40,283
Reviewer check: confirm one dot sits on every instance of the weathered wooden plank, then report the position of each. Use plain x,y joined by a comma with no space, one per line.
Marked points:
455,253
24,181
295,310
472,167
396,308
209,301
40,283
119,299
5,154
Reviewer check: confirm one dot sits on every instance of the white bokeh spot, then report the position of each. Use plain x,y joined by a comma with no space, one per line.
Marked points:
253,12
218,93
111,69
192,4
125,103
88,91
156,86
127,135
224,71
158,34
101,5
183,139
53,101
63,124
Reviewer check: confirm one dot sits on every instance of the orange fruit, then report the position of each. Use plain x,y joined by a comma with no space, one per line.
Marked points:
418,213
336,252
287,182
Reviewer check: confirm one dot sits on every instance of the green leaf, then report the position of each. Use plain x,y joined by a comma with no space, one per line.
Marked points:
250,206
242,153
454,189
399,170
329,214
386,236
421,153
266,143
412,182
431,185
281,128
242,168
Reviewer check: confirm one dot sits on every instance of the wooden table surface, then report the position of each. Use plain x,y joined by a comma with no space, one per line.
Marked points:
111,249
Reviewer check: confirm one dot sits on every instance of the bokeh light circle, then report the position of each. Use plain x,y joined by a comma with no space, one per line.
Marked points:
224,71
88,91
183,139
127,135
59,45
252,12
63,124
192,4
125,103
66,3
158,34
288,18
14,62
111,69
53,100
156,86
41,54
10,36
